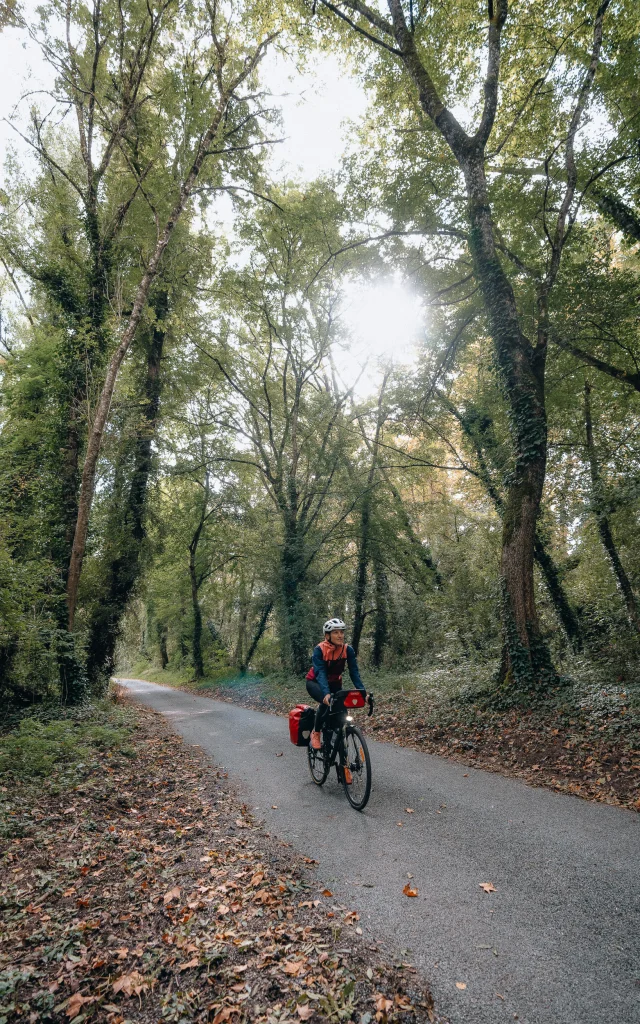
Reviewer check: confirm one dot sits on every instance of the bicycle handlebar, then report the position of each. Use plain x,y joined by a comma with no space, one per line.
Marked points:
337,697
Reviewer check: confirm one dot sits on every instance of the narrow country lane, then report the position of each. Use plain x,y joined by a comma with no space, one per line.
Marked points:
559,940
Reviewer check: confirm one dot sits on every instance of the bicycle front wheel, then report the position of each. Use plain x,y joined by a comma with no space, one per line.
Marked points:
358,762
318,764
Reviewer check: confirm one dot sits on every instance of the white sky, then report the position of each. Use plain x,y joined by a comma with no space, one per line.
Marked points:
383,318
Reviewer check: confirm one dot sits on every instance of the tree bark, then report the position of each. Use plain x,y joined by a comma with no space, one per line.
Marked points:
616,372
257,636
360,588
604,526
470,427
618,212
196,640
381,621
293,573
128,516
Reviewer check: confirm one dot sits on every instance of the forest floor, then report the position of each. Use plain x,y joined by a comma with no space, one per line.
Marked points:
135,887
585,739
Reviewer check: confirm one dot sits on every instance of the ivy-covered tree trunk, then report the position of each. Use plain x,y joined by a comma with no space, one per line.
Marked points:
381,619
127,521
257,636
244,600
526,662
293,572
360,589
602,519
196,640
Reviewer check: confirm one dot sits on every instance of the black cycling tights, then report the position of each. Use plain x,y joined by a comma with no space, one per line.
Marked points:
314,690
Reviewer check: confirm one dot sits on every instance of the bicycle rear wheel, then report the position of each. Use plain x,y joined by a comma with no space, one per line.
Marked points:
358,762
318,764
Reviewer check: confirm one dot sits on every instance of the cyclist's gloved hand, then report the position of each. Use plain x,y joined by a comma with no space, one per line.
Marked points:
327,699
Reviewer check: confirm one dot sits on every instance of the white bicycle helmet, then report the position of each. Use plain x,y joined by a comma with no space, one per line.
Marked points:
332,624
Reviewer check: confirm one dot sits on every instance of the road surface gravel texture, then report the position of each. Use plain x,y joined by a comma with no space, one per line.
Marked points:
557,943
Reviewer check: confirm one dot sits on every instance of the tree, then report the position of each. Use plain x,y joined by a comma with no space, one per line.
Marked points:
417,46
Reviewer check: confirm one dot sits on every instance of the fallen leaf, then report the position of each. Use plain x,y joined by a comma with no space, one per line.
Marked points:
192,963
327,892
488,886
225,1014
281,754
257,878
304,1012
409,810
461,984
383,1005
75,1004
171,895
130,984
408,891
294,967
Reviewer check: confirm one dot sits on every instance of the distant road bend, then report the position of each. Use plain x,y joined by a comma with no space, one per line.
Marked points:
559,940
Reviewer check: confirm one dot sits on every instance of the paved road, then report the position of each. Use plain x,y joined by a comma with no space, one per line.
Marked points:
559,940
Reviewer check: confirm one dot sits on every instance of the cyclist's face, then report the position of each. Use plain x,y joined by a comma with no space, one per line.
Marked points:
337,637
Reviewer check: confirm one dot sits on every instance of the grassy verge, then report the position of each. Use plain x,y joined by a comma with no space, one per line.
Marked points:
136,888
583,740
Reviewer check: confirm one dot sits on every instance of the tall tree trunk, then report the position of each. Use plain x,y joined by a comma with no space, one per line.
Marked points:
292,579
161,630
257,636
471,425
360,589
238,658
604,526
195,579
196,640
128,518
381,621
526,662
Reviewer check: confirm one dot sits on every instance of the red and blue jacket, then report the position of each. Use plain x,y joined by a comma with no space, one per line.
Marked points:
327,666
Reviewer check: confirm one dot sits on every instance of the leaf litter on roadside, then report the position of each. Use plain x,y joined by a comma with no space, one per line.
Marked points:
154,895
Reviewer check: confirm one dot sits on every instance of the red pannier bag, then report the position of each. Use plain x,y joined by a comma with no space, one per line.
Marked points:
301,720
355,699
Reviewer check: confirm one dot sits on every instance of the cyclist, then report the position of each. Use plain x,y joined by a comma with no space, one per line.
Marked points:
325,675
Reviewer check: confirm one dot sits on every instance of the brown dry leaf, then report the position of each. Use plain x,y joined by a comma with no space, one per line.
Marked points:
257,878
461,985
304,1012
171,895
408,891
383,1005
409,810
192,963
75,1004
294,967
488,886
225,1014
327,892
130,984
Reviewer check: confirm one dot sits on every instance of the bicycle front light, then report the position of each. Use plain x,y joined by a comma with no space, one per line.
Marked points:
349,718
